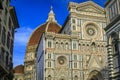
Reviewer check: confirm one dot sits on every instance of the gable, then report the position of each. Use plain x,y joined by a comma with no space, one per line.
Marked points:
94,62
90,7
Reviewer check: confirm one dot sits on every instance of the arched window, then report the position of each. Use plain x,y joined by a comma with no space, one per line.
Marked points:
49,44
115,38
73,21
56,45
74,45
75,57
95,75
76,77
75,64
49,77
74,27
49,55
62,45
115,46
49,64
66,46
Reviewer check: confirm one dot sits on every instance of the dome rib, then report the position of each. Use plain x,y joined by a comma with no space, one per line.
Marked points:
51,25
47,27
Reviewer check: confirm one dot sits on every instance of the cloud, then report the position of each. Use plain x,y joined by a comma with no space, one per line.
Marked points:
22,35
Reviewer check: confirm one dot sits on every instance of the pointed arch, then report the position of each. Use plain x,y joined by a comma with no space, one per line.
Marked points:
49,77
95,75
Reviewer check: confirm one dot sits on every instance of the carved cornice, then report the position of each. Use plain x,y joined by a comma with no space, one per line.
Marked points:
69,37
74,6
83,16
30,62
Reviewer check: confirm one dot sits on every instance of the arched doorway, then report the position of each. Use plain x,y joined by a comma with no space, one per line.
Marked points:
95,75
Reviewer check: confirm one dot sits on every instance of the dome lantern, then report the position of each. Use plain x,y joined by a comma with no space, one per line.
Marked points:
51,16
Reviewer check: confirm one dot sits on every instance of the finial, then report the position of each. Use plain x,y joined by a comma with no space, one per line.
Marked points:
51,8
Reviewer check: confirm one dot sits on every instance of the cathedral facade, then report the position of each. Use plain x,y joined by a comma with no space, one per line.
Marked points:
75,51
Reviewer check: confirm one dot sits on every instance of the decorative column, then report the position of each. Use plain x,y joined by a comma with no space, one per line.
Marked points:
110,58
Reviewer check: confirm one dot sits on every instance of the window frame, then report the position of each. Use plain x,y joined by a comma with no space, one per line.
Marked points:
49,44
113,10
74,45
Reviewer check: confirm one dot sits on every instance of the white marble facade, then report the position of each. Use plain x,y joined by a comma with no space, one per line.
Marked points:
79,51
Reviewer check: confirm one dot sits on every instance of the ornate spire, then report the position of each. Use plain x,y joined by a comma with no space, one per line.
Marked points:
51,15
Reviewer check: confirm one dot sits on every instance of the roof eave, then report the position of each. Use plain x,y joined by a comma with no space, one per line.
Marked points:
14,17
107,2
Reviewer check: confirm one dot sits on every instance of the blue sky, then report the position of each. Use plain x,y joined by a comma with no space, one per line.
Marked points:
32,13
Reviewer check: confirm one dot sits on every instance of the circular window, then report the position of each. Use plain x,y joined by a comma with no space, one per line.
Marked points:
91,30
61,60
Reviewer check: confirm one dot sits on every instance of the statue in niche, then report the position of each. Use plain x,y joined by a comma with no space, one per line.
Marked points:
93,46
61,45
57,45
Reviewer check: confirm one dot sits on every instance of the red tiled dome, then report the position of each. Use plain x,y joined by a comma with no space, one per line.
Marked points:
48,27
19,69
